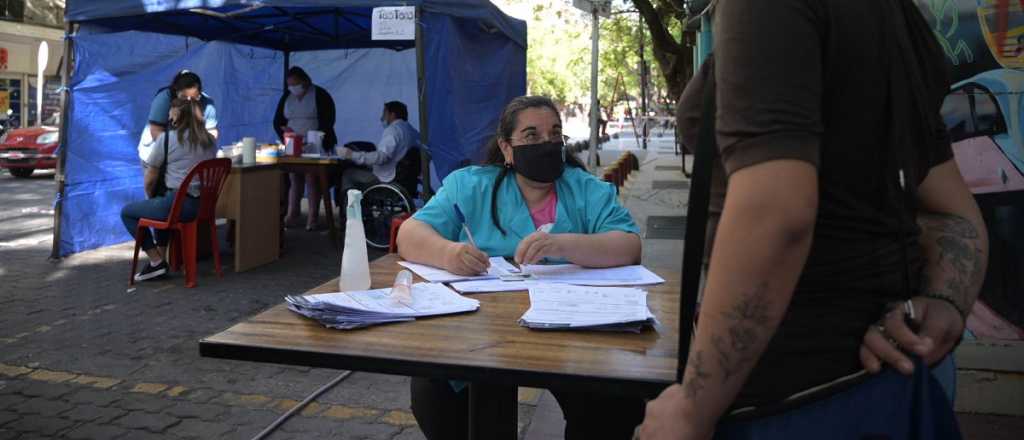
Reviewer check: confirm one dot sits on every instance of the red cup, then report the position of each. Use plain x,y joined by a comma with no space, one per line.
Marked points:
295,141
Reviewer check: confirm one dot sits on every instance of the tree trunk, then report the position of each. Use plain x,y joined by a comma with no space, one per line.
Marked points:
674,57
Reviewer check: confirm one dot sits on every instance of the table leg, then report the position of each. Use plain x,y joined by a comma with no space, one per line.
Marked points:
256,201
328,205
493,412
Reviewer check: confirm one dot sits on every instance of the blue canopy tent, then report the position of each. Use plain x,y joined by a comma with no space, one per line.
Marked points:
466,62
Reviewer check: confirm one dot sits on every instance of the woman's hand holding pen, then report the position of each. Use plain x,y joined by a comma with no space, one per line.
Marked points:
465,259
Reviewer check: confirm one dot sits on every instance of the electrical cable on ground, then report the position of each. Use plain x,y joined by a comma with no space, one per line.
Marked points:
284,417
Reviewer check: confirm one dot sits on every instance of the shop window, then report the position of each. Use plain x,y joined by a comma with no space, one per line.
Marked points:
51,102
12,10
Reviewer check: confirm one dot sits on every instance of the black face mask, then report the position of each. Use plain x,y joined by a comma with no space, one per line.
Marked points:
542,163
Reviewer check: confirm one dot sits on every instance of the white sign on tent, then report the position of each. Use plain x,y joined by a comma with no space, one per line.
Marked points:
394,23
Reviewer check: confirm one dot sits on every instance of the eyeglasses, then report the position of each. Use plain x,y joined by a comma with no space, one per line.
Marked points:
534,138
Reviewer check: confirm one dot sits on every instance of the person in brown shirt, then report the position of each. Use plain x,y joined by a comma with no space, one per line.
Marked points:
810,231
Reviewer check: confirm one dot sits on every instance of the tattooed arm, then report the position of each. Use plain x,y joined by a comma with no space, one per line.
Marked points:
954,242
762,243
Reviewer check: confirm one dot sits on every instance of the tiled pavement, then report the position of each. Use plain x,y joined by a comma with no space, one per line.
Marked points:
81,358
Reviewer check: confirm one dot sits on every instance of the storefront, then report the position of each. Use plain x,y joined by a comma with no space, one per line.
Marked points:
19,47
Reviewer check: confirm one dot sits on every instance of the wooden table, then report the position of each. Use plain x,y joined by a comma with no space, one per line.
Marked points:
322,168
251,197
488,348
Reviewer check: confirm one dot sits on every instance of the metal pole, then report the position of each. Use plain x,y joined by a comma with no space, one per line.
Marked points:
287,66
65,117
594,108
704,42
421,88
643,84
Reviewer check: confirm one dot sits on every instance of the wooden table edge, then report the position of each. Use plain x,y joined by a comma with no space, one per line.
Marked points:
210,348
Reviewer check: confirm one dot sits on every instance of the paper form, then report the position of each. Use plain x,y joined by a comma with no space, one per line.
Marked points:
498,268
636,275
564,306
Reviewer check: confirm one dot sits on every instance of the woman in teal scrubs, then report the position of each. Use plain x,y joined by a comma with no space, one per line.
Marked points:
530,200
528,180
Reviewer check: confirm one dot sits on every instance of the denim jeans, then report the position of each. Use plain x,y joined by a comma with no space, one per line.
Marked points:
888,405
156,208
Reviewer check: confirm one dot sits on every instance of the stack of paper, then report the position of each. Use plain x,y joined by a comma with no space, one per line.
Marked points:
576,307
349,310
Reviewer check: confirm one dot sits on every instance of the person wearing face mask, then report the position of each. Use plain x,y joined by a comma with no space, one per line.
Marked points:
379,166
185,85
527,181
304,107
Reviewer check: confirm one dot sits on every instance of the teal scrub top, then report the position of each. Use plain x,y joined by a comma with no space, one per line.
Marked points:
586,205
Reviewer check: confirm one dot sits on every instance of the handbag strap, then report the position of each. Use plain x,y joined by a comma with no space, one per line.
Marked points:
696,223
163,166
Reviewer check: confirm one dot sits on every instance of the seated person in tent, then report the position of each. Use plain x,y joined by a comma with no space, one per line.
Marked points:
188,143
301,111
185,85
399,136
530,200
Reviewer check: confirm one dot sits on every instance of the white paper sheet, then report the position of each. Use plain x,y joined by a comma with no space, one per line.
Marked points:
613,276
498,268
494,285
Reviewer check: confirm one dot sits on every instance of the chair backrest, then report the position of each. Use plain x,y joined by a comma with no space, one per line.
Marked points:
408,170
211,174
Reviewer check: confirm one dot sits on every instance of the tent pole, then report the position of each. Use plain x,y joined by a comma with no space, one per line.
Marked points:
421,83
287,65
65,118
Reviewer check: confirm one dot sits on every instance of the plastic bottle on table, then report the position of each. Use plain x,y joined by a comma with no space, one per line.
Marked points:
355,264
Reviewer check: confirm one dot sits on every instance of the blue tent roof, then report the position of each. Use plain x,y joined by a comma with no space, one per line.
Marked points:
292,25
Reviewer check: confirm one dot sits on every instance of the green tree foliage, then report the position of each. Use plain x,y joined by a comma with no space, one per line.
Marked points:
558,57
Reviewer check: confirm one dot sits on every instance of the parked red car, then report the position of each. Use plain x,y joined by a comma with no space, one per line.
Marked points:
24,150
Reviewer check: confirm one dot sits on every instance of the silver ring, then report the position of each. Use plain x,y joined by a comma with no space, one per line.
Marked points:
880,328
908,308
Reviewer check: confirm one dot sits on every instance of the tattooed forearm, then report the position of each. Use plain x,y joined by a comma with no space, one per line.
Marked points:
955,258
748,326
698,377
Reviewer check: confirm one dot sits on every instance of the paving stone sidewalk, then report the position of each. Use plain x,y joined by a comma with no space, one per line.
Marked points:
82,359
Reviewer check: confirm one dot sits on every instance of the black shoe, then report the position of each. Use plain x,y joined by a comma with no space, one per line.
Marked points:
150,271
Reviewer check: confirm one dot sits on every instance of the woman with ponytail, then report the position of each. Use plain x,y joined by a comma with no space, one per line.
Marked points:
174,153
530,200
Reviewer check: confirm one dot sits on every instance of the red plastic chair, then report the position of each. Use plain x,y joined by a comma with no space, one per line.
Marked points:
211,174
396,222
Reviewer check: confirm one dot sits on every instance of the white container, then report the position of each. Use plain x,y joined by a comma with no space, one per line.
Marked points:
355,264
248,150
315,141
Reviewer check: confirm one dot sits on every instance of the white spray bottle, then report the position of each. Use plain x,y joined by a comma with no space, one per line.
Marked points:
355,264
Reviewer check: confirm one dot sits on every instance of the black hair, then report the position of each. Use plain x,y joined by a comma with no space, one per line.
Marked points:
185,80
506,127
398,109
301,75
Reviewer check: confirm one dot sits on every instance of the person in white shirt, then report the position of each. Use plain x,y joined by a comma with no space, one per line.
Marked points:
399,136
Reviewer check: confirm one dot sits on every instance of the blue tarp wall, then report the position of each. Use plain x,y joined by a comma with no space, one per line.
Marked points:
474,61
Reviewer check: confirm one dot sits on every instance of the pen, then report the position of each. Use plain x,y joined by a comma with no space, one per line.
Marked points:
465,227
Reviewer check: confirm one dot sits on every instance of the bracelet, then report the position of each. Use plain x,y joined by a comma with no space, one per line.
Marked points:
960,310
